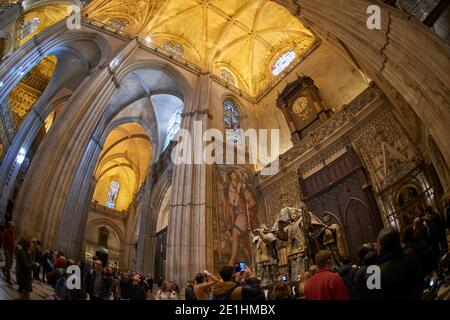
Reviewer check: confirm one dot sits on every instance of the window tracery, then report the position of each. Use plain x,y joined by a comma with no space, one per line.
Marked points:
227,76
118,23
232,119
174,48
283,62
112,194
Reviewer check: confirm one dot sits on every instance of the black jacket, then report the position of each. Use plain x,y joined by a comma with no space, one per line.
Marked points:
251,291
137,292
421,234
125,286
359,290
106,284
400,277
347,273
189,293
23,270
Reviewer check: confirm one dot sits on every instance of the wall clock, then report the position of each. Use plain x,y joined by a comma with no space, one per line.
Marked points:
300,107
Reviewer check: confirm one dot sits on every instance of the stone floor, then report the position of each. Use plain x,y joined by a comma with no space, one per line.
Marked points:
41,290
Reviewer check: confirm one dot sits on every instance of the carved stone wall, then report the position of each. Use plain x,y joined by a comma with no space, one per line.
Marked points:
285,192
386,150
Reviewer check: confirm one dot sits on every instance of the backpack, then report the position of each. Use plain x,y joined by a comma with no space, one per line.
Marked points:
225,296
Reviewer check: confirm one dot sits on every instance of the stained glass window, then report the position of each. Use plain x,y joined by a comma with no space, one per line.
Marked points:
283,62
118,23
227,76
174,48
173,127
232,120
112,194
29,28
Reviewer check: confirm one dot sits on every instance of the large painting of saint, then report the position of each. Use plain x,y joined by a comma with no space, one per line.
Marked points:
236,215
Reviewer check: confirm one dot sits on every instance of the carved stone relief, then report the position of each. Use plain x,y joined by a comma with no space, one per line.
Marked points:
386,151
284,193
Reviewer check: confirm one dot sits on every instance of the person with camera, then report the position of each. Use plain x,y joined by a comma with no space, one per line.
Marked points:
282,290
251,285
203,283
235,285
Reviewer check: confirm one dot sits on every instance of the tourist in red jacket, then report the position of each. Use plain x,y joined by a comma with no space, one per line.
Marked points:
325,284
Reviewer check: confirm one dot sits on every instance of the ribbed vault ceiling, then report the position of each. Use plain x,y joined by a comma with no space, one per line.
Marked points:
243,37
125,158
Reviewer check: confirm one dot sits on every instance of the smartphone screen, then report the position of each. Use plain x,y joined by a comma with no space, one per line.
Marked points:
242,266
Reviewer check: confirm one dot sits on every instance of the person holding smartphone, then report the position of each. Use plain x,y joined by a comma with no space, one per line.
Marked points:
282,290
203,283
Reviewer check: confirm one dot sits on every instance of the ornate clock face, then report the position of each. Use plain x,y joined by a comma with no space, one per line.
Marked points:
300,107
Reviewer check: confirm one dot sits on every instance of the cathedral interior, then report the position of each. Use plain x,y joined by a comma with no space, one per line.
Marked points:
92,106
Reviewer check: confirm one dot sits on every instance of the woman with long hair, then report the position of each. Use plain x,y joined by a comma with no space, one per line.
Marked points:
166,292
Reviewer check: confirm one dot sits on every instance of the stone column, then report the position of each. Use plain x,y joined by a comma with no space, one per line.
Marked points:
145,253
186,239
158,186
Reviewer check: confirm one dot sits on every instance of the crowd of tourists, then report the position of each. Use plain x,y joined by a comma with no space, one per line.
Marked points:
410,265
98,280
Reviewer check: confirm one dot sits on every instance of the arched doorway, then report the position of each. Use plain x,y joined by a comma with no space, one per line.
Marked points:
105,237
360,223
